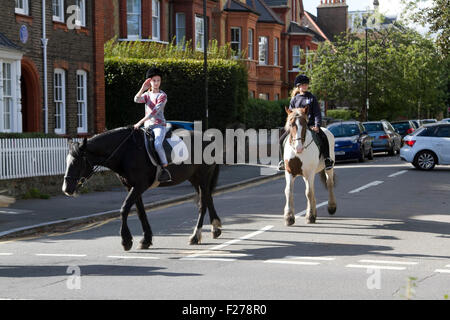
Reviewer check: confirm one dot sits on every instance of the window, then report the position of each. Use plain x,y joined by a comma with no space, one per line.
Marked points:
296,57
199,33
277,97
275,51
444,132
236,40
60,100
58,10
82,101
22,7
134,19
181,28
263,50
7,97
156,23
263,96
81,18
251,94
250,44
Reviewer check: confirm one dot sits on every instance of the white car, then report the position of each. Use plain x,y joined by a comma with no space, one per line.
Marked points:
427,146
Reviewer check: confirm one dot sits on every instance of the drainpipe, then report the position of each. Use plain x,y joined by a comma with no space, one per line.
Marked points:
44,46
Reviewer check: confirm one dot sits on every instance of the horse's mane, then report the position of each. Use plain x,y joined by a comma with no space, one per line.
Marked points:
111,132
291,117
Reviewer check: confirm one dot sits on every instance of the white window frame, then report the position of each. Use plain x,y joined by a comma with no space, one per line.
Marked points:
81,18
275,52
180,28
82,104
250,44
60,100
263,96
59,17
236,31
22,7
156,17
6,96
139,14
263,50
199,33
296,57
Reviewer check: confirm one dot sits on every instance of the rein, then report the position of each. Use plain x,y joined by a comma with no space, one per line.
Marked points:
302,138
96,168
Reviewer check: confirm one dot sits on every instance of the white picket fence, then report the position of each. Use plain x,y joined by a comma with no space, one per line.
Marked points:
22,158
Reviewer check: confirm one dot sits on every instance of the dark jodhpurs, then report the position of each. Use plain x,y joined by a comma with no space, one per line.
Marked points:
321,137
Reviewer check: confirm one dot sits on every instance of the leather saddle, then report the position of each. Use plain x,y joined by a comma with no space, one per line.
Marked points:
174,147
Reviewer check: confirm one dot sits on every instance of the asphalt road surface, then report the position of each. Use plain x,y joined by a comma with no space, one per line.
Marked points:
389,239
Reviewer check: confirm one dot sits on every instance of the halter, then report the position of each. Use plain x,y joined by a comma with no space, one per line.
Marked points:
95,168
302,139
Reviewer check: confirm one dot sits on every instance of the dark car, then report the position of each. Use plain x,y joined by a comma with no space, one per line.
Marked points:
385,137
417,123
351,141
427,121
404,127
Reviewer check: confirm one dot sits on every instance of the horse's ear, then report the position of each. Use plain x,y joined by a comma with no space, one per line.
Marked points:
83,145
69,141
288,111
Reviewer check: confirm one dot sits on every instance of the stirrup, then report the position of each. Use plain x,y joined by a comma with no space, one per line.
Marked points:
281,166
329,164
167,178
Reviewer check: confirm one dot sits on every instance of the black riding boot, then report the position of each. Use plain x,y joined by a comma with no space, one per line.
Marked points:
281,141
164,176
326,150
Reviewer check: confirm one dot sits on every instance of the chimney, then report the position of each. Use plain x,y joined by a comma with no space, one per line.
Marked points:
332,16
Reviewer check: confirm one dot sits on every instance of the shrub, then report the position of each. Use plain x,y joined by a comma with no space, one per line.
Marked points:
263,114
343,114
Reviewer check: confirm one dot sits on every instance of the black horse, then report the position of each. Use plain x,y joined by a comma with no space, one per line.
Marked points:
122,150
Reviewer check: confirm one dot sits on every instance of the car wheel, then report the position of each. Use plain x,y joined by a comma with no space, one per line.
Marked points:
362,157
392,151
425,160
370,156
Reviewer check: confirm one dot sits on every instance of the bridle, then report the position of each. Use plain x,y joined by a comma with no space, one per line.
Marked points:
302,135
94,168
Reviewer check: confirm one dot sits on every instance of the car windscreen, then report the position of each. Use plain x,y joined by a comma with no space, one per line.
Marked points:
344,130
372,127
401,126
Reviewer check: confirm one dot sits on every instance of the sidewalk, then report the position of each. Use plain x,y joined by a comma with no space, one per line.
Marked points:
28,217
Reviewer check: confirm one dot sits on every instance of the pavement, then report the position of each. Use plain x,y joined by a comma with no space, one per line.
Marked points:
27,218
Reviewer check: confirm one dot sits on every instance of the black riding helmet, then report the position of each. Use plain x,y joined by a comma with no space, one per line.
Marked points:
153,71
301,79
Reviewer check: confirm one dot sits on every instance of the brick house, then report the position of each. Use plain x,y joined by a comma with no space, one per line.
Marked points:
271,33
69,98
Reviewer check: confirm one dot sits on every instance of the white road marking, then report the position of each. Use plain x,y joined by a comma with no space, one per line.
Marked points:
372,184
133,257
442,270
207,259
311,258
374,267
59,255
302,213
5,254
228,243
306,263
397,173
388,262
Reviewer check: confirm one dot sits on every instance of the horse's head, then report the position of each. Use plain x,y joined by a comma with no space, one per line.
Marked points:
296,125
78,167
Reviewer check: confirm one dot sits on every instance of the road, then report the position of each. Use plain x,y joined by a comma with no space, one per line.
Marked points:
390,239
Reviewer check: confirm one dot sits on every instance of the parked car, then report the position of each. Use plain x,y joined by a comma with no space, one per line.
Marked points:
385,137
428,146
187,125
351,141
426,121
418,123
404,127
446,120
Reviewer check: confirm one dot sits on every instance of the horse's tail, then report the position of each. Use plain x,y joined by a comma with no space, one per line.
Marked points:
214,178
323,178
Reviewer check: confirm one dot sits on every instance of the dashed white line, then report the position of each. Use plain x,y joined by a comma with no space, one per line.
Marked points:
388,262
372,184
306,263
442,271
374,267
397,173
207,259
311,258
133,257
59,255
5,254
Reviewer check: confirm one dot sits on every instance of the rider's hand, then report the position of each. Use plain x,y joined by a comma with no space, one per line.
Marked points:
137,126
315,129
146,85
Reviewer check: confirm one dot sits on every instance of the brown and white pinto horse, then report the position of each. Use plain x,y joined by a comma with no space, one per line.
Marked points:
301,158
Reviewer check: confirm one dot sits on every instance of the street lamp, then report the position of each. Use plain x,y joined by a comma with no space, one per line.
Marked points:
367,72
205,60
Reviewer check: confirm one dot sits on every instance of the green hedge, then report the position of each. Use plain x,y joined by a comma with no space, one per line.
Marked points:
26,135
184,84
343,114
263,114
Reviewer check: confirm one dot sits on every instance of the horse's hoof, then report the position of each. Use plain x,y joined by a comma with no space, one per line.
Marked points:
145,244
217,223
289,221
310,220
194,240
216,233
331,210
127,245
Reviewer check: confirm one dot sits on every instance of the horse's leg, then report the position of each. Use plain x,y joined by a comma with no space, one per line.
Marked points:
330,186
146,242
196,237
127,239
289,216
311,210
216,224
